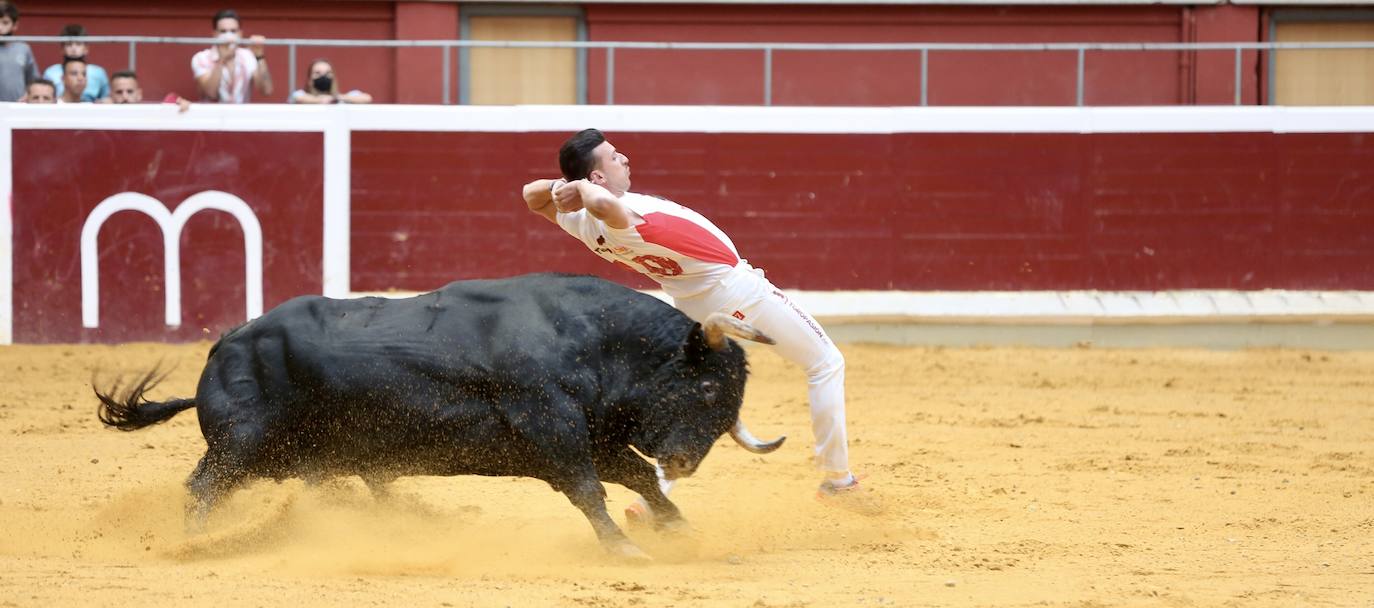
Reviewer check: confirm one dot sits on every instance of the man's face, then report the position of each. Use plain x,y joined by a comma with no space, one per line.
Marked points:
125,90
612,169
227,25
74,78
7,26
73,49
41,93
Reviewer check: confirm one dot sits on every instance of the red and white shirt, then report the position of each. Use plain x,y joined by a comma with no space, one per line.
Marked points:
234,79
675,246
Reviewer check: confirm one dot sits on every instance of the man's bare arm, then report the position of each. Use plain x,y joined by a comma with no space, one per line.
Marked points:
538,196
209,81
262,78
597,201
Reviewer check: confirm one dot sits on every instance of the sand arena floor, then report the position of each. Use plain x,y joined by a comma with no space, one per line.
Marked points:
1011,477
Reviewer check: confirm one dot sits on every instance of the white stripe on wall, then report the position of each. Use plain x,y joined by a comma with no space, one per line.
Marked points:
1069,306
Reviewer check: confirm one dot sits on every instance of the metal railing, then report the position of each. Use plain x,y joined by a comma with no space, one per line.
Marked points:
766,48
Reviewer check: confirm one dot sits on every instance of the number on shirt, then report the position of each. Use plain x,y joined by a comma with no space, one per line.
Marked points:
659,265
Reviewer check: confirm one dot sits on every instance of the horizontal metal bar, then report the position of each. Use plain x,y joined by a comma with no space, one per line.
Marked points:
737,46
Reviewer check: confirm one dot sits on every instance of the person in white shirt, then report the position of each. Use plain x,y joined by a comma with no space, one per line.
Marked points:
700,268
225,71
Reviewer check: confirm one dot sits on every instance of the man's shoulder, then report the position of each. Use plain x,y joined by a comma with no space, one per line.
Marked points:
205,56
646,198
574,221
650,202
16,48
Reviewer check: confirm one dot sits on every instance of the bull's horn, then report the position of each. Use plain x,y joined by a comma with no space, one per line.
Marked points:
719,324
748,441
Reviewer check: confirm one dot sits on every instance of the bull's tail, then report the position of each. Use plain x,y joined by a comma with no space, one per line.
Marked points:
132,411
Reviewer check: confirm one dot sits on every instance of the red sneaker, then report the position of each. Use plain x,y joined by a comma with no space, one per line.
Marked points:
639,515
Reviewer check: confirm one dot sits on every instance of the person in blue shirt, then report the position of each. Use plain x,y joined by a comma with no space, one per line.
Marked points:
97,81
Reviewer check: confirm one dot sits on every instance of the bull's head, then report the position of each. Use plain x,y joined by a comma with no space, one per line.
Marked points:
704,400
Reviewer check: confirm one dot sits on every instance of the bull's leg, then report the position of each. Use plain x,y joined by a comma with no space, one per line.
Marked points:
589,496
231,458
628,469
214,477
564,457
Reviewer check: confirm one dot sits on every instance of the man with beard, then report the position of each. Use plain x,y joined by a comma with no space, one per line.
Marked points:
124,88
40,91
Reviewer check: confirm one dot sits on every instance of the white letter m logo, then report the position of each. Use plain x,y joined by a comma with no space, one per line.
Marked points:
171,224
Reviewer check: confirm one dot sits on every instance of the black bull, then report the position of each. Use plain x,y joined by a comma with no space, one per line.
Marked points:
547,376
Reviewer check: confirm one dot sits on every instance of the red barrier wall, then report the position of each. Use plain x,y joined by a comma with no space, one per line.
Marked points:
56,185
912,211
926,211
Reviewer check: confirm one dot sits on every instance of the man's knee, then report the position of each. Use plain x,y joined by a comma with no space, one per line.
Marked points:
830,364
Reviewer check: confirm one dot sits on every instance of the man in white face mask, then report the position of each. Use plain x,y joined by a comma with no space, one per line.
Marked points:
225,71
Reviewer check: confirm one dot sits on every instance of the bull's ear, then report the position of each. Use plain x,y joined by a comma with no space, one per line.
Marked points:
695,345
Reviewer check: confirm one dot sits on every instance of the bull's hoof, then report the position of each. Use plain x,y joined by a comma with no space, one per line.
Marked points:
626,551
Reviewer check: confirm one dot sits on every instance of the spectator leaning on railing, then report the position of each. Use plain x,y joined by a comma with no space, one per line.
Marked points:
17,66
40,91
323,87
225,71
124,88
97,81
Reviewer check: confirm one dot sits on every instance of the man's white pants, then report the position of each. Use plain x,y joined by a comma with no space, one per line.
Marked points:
748,296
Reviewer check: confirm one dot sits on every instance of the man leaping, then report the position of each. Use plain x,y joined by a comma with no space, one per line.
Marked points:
699,267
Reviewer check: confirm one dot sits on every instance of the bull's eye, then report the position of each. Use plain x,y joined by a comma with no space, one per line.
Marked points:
708,390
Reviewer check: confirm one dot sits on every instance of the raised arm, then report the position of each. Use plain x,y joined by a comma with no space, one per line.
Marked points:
262,78
598,201
538,196
208,81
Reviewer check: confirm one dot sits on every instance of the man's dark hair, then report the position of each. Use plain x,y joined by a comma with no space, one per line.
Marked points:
575,158
42,81
227,13
9,10
73,30
124,74
67,60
